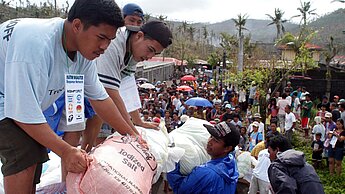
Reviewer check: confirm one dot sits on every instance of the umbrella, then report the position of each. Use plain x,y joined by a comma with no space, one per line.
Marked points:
147,86
184,88
142,79
188,78
198,101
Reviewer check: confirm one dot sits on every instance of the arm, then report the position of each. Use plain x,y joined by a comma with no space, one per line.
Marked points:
108,112
137,121
74,158
197,181
117,99
280,181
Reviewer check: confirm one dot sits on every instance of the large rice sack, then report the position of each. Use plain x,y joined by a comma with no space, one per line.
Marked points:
120,165
192,136
157,142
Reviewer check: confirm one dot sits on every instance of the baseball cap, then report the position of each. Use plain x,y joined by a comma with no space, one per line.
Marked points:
155,29
221,129
228,106
132,9
337,97
257,115
256,124
328,115
156,120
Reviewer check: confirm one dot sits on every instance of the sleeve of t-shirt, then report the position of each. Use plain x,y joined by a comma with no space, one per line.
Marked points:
25,84
109,66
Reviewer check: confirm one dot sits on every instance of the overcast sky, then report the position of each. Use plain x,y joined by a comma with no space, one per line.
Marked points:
219,10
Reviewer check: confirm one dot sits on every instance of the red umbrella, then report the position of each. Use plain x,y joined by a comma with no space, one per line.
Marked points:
184,88
188,78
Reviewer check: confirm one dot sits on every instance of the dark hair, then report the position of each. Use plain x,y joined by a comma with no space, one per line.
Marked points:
342,105
333,104
284,95
96,12
280,142
341,121
274,121
289,107
318,134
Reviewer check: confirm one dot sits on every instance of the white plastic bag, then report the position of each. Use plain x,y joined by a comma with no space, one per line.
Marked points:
192,136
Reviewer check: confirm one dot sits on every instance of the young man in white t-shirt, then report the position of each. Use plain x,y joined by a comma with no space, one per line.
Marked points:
290,122
133,44
32,79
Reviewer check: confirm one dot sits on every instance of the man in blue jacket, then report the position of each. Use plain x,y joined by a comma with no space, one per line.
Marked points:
219,175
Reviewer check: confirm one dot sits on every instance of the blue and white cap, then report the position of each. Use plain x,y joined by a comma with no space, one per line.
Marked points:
221,129
132,9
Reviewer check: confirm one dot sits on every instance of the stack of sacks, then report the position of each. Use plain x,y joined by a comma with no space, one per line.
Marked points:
192,136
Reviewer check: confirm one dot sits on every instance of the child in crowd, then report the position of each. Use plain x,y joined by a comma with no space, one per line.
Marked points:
317,146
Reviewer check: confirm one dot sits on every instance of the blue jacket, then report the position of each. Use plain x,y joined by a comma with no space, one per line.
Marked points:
215,176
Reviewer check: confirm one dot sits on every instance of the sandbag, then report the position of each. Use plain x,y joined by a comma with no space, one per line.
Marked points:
120,165
192,136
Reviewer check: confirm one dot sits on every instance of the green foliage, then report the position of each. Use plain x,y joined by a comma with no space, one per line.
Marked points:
331,184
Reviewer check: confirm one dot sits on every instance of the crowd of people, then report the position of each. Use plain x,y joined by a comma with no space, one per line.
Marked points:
287,112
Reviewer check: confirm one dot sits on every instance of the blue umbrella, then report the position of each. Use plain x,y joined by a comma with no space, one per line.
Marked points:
197,101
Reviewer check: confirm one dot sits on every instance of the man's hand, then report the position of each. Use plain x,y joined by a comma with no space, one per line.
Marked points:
150,125
75,160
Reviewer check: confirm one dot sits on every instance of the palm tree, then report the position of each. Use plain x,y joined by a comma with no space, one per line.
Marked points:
329,54
305,11
191,31
162,18
240,22
147,17
278,20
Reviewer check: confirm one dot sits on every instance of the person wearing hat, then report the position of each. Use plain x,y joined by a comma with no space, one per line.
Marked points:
259,181
257,118
255,136
329,127
133,44
319,128
133,14
324,103
227,116
336,99
220,174
288,89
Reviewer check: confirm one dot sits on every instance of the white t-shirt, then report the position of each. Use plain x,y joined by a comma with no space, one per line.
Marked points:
319,128
289,120
261,169
296,108
281,104
32,68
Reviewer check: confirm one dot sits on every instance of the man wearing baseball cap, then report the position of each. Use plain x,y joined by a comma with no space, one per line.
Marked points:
219,175
133,14
133,44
